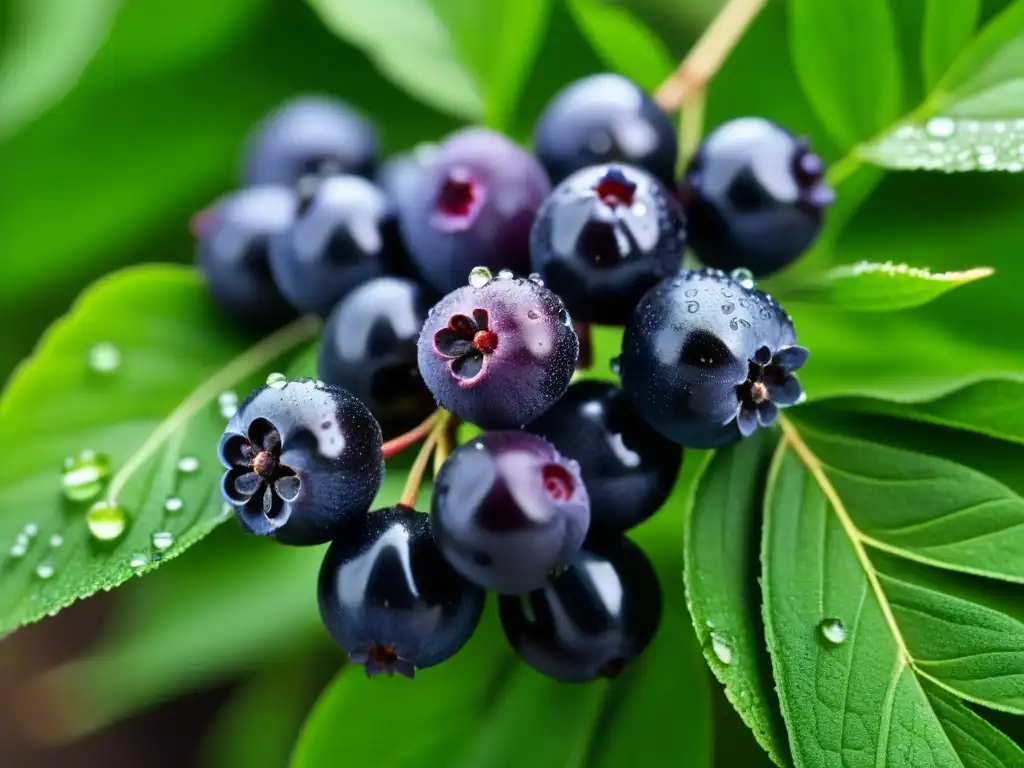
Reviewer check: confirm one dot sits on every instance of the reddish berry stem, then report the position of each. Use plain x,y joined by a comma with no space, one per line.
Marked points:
419,466
396,445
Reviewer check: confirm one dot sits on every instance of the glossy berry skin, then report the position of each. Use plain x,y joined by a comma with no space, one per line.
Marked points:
368,347
603,237
341,237
629,468
498,355
402,177
389,599
233,242
593,619
309,136
755,197
706,359
475,206
601,119
302,460
508,510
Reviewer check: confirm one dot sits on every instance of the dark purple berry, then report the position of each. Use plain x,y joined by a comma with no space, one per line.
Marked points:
341,237
389,599
233,242
593,619
309,136
475,206
629,468
755,196
602,119
303,458
500,354
603,237
368,347
402,177
707,359
508,510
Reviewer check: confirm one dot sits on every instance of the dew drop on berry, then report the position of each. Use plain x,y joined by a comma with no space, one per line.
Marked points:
721,648
535,278
743,276
162,540
616,365
480,276
188,465
174,505
833,630
104,358
84,475
277,380
505,274
56,541
105,521
45,571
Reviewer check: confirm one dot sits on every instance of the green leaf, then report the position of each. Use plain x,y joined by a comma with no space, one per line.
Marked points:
474,709
722,562
850,683
48,46
880,287
410,45
232,604
974,120
948,25
498,41
846,56
152,403
623,42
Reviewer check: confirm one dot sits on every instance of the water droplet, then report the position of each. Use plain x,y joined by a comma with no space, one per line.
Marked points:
744,277
139,560
163,540
480,276
536,279
728,308
104,358
56,541
227,404
940,127
30,529
44,570
105,521
188,465
690,293
174,505
721,648
505,274
18,549
84,475
692,307
833,630
277,380
616,365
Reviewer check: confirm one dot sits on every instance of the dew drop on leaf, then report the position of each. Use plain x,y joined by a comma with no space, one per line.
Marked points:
277,380
139,560
18,549
833,630
721,648
163,540
31,529
174,505
56,541
479,277
44,570
227,404
104,358
188,465
84,475
105,521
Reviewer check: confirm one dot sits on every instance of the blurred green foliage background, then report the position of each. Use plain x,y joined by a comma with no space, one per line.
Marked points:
119,119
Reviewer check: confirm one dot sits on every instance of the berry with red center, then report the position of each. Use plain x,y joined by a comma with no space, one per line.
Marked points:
302,460
755,196
368,347
602,119
475,205
390,600
498,354
344,234
628,467
508,510
233,239
603,237
706,359
309,136
591,620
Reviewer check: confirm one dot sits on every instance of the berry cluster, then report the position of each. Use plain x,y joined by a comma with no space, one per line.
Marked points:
449,284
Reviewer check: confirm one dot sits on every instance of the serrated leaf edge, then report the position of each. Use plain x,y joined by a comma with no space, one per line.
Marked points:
891,269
